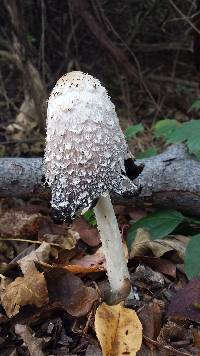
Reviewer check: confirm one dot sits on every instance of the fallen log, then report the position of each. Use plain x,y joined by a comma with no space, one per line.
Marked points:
169,180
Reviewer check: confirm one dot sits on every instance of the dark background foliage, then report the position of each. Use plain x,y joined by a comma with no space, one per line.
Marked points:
145,52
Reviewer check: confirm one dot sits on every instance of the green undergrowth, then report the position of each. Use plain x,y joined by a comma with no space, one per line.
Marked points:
171,131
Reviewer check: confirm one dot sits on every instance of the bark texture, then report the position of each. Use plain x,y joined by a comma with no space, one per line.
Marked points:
169,180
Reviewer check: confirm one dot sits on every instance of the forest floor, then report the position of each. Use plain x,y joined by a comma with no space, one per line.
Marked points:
53,279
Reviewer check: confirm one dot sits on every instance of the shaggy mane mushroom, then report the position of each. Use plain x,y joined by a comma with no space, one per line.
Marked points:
86,158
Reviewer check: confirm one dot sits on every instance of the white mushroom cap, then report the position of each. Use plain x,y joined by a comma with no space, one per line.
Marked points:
85,146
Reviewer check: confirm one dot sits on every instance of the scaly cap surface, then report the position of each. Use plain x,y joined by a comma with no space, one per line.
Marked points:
85,147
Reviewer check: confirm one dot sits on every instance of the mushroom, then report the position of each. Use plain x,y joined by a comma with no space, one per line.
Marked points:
86,158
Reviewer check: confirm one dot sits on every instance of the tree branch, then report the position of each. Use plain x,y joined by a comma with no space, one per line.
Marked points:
169,180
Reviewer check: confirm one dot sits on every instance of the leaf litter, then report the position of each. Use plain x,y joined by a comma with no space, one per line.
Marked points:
53,281
118,329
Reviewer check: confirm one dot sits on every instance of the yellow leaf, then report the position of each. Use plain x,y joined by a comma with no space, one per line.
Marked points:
118,330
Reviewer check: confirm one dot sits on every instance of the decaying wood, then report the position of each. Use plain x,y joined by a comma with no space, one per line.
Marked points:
169,180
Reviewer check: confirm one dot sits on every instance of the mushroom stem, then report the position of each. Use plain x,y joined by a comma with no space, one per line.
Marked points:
112,245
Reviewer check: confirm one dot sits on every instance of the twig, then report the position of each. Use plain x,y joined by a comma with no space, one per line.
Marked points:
29,241
179,81
158,107
42,42
9,56
184,17
166,347
155,295
85,329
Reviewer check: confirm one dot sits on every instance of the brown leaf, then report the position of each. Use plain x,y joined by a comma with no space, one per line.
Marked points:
90,263
136,213
159,264
93,350
150,317
30,289
33,344
171,331
57,234
88,233
178,243
196,337
148,275
186,302
76,269
6,250
15,223
143,243
41,254
118,330
69,292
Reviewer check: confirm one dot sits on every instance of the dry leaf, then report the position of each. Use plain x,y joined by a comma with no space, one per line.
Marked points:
15,223
76,269
83,264
185,304
178,243
118,330
93,350
33,344
149,276
58,234
196,337
161,265
41,254
95,262
7,250
88,233
66,242
172,331
143,243
150,317
136,214
69,292
30,289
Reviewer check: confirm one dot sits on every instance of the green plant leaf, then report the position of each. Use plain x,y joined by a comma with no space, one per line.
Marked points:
184,131
159,224
188,132
164,128
195,106
90,217
133,130
147,153
192,257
